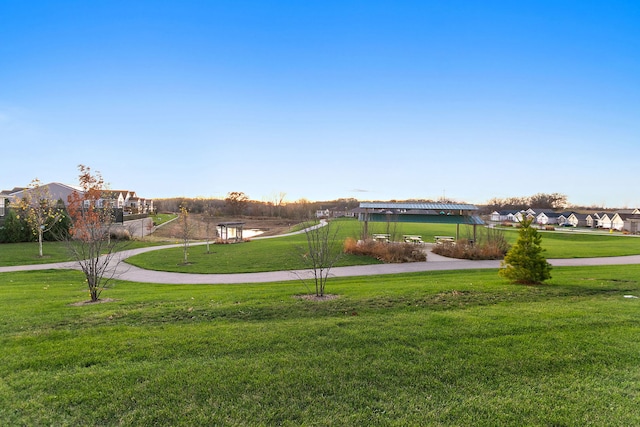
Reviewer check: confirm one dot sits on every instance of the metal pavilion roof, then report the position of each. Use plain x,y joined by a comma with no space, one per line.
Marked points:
426,206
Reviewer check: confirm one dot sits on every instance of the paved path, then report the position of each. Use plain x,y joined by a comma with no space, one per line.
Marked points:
434,262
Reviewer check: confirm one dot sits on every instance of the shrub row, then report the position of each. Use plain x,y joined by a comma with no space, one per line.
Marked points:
386,252
464,249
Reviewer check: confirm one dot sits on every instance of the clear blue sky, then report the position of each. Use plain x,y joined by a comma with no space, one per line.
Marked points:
325,99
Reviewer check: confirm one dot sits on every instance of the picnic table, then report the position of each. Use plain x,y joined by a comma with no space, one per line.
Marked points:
412,238
381,238
444,239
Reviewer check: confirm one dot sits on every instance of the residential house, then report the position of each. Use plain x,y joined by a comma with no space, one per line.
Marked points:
529,214
117,198
129,202
563,218
631,223
547,217
627,212
334,212
4,204
503,216
579,220
603,220
591,221
56,190
323,213
617,223
512,215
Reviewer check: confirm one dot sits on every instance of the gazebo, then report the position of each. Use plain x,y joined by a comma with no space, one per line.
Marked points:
230,231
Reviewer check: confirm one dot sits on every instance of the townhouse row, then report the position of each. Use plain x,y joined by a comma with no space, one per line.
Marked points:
126,200
621,220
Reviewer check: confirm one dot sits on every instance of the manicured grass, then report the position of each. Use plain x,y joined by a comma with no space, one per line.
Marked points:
584,245
27,253
276,254
160,219
273,254
284,253
438,348
557,244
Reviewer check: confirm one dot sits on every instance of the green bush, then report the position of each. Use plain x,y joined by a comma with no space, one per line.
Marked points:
15,229
60,229
525,263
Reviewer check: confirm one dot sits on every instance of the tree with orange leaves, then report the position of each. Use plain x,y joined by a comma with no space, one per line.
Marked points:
89,236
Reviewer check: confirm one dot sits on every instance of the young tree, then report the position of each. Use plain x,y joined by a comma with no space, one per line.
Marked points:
208,217
322,252
89,236
525,263
40,212
185,233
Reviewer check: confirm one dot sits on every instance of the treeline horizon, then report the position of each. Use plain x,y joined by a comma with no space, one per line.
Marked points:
239,204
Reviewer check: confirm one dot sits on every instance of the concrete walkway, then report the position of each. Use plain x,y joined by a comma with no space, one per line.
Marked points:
434,262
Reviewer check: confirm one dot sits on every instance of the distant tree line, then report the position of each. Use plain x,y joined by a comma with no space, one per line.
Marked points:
555,201
238,204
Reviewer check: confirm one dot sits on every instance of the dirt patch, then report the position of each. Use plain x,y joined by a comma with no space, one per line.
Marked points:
100,301
268,226
313,297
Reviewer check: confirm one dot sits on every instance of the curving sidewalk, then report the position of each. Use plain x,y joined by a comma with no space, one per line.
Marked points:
434,263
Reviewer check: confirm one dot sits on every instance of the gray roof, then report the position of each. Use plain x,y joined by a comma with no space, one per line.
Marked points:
427,206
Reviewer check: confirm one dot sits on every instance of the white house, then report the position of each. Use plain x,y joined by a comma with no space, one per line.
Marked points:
323,213
547,217
603,220
579,220
503,216
617,223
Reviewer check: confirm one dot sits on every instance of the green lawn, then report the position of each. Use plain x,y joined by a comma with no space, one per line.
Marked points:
284,253
160,219
584,245
437,348
27,253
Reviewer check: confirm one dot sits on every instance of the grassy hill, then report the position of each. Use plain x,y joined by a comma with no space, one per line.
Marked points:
437,348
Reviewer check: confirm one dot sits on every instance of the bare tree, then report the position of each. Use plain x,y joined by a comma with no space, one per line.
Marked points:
208,218
236,201
185,233
89,236
322,252
278,202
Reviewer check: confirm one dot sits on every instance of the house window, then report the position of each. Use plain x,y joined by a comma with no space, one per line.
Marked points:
1,207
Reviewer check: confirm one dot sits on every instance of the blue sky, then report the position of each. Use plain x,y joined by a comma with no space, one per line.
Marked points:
375,100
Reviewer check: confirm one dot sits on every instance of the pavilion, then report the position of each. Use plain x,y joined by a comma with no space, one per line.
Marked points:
435,213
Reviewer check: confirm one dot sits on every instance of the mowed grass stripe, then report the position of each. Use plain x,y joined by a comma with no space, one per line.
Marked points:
442,348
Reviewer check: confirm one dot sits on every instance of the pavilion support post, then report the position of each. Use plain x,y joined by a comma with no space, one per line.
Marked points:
365,230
